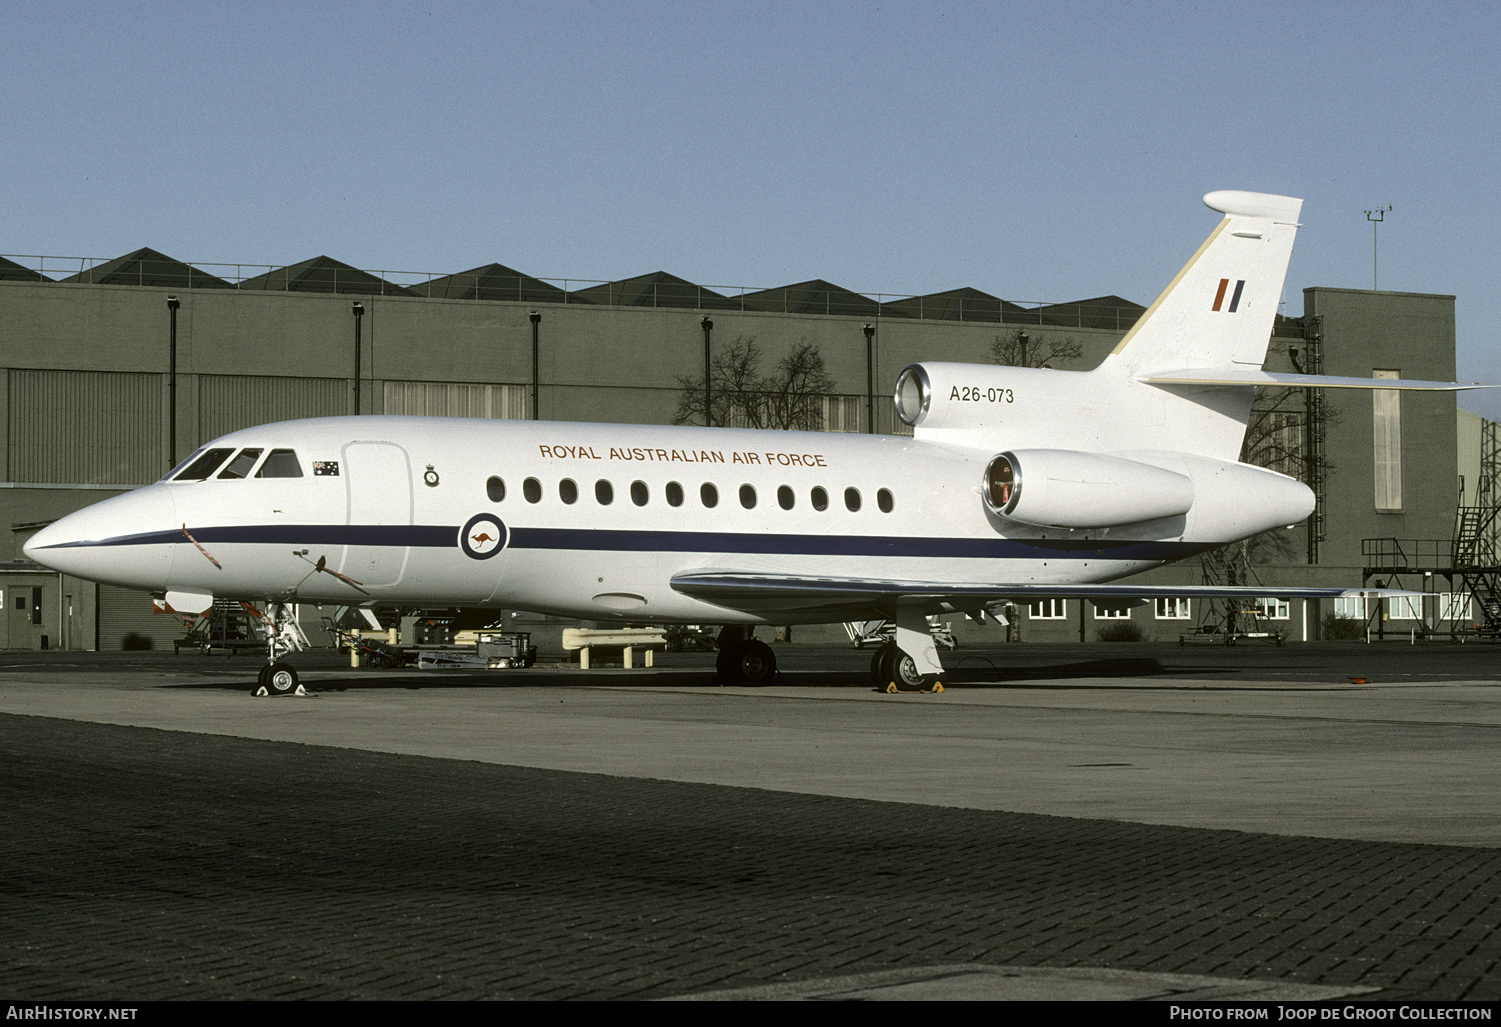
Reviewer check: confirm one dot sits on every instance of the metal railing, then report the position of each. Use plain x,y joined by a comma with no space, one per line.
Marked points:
173,274
1396,555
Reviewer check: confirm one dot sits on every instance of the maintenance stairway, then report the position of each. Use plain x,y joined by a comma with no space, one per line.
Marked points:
1469,561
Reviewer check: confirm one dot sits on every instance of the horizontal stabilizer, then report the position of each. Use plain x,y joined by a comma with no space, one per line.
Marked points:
1252,376
752,592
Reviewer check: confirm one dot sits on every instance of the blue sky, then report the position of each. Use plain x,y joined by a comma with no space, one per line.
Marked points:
1040,152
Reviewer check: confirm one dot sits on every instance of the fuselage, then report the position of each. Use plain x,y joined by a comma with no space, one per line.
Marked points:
594,521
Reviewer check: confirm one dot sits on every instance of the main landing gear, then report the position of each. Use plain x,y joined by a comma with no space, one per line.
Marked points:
908,663
283,636
742,659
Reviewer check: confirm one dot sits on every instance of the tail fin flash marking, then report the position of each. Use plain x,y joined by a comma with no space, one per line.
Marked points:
1219,297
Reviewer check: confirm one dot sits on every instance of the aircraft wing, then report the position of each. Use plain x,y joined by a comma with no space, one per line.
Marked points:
1255,376
754,593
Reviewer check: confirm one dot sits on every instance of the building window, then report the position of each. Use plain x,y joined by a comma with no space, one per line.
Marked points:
1386,408
1048,609
1173,608
1454,606
1353,607
1405,608
1112,612
1273,609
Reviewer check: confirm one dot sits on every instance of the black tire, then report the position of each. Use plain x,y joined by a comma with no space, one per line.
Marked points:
897,666
746,663
280,678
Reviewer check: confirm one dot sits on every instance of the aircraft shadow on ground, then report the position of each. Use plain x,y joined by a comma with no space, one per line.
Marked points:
968,672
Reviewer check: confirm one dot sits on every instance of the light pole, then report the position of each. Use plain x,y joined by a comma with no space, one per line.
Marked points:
172,304
870,379
708,326
358,310
536,366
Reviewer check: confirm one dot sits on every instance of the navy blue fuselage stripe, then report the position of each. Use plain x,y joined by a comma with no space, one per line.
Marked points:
437,536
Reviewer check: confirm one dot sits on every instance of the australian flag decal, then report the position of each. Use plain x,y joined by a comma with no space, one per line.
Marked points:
1219,297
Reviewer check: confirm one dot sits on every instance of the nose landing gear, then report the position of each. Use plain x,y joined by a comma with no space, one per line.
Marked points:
282,636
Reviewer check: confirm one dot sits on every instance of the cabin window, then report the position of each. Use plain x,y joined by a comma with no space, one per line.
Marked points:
884,500
852,499
568,492
242,464
639,493
205,465
748,496
786,499
819,497
708,495
532,490
282,463
674,494
604,492
495,489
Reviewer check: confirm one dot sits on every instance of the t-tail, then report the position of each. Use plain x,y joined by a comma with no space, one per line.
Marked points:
1213,323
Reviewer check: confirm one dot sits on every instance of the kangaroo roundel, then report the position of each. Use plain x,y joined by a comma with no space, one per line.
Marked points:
482,536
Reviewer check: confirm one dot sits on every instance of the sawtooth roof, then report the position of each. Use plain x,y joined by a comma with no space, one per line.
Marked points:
323,274
658,289
148,267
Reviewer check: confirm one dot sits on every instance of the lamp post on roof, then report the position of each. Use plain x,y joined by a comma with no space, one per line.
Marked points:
1375,217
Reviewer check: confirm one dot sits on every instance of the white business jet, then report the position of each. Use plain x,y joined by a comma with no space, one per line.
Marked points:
1019,484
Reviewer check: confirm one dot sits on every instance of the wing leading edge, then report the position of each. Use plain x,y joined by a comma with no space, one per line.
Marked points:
760,592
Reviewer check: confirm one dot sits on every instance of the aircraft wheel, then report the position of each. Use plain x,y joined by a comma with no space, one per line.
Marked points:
280,679
755,664
892,664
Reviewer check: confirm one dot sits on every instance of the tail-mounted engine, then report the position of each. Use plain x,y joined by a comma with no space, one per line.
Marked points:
1060,488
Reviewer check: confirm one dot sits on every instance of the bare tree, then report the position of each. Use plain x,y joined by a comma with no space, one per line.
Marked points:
1018,348
791,396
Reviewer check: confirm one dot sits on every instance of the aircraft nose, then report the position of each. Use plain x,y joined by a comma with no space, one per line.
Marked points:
124,541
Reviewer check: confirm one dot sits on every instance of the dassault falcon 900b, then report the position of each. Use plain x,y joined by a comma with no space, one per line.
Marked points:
1018,484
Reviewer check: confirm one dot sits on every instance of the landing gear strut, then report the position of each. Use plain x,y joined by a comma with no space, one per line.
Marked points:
910,662
743,660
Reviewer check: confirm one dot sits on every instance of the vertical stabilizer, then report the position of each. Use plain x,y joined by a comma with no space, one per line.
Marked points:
1218,311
